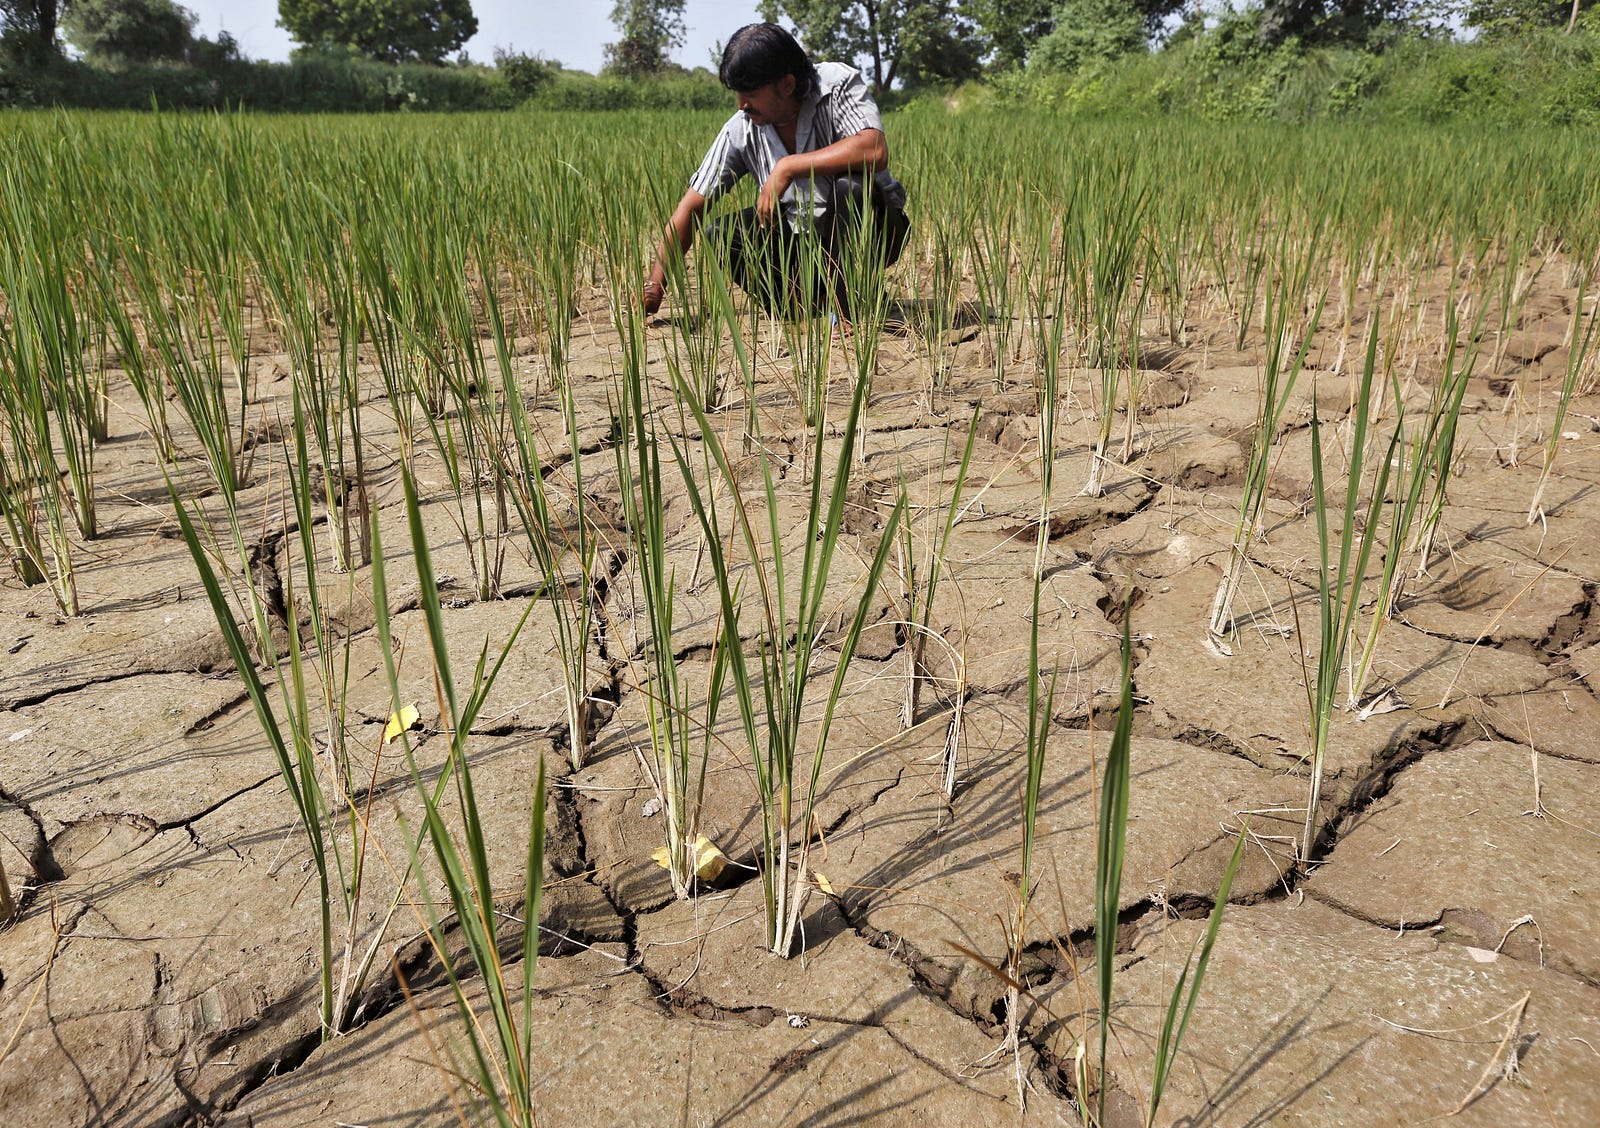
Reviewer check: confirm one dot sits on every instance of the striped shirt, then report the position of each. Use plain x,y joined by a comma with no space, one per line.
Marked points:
841,107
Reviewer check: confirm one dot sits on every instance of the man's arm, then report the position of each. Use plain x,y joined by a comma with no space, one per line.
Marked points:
861,152
675,241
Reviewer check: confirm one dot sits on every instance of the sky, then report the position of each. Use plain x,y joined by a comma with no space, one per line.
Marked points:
573,32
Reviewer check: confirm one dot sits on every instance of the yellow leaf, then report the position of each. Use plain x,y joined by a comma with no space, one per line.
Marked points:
822,882
709,862
400,722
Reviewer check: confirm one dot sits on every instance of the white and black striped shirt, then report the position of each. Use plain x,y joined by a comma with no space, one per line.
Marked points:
841,107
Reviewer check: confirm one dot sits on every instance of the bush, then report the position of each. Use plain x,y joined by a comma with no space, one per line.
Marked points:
312,83
575,90
1088,31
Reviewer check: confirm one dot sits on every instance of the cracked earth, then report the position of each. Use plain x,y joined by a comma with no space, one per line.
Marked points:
164,968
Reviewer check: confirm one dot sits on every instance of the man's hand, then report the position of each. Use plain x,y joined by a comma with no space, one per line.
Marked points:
653,294
769,203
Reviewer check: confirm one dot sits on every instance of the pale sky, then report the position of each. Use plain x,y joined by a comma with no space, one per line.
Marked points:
571,31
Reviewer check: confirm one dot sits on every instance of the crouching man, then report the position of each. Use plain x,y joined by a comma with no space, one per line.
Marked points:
812,136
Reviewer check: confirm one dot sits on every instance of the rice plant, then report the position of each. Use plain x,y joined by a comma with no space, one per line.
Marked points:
500,1058
1579,341
789,607
1289,331
919,577
1339,584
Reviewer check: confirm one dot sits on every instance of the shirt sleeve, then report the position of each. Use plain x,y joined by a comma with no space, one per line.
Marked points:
722,166
851,107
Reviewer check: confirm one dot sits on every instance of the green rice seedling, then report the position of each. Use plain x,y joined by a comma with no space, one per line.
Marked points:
807,337
1288,293
21,504
553,543
995,272
500,1058
36,505
468,435
1515,282
321,383
1186,988
111,307
1174,264
547,221
187,351
1420,461
290,729
1251,265
59,343
1041,708
1048,251
1110,851
1113,236
1339,585
934,314
698,332
1579,341
680,747
862,296
920,576
789,612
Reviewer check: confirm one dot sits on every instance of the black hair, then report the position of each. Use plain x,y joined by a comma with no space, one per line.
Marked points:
762,53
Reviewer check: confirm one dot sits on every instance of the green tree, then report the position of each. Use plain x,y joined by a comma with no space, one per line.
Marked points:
28,30
1512,17
1328,21
1010,27
1089,30
390,31
911,40
650,29
130,31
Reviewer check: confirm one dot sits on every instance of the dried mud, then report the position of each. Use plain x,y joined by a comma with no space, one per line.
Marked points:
1440,951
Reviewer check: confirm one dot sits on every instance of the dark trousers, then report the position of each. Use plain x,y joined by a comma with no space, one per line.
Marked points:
793,274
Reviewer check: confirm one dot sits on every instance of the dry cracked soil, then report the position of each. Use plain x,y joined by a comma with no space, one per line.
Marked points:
1436,958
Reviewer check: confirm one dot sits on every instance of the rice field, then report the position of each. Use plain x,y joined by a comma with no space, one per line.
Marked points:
1141,673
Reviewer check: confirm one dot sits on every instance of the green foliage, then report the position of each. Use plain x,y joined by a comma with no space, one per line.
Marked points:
525,74
390,31
1007,27
1230,73
1328,21
575,90
133,31
315,83
1088,30
650,29
1514,17
28,31
918,41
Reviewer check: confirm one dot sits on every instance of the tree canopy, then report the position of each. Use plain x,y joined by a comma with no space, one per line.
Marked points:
390,31
650,29
132,31
28,29
912,40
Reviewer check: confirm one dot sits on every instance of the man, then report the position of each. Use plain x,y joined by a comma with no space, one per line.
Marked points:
813,137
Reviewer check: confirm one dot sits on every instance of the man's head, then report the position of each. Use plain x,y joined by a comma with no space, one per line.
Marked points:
759,55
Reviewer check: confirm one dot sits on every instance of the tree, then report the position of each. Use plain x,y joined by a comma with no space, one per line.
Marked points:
1010,27
1513,17
130,31
29,31
1327,21
1087,30
390,31
915,40
650,29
